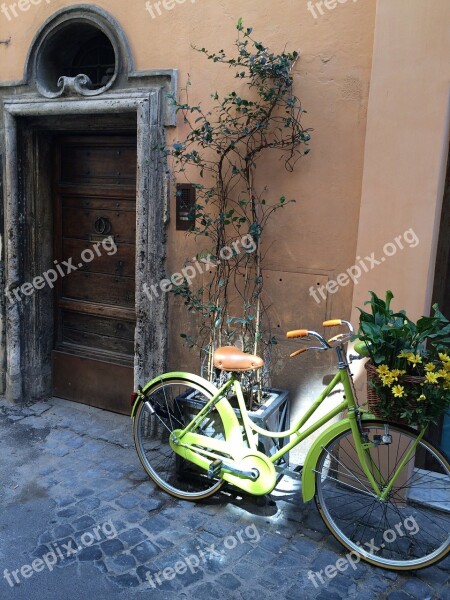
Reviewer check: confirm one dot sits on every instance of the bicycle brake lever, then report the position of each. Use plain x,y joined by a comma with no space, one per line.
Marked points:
297,352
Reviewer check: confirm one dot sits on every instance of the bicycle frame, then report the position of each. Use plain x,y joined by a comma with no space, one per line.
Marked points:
202,450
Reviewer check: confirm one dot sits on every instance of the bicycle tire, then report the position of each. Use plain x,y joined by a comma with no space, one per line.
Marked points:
352,512
175,402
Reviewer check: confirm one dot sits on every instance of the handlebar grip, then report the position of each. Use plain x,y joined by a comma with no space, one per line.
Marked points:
297,352
297,333
332,323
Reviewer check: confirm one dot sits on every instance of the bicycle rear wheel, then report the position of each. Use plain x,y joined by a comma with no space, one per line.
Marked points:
411,529
175,402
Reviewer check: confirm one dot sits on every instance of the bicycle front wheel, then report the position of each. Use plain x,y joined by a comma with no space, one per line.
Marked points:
411,528
174,404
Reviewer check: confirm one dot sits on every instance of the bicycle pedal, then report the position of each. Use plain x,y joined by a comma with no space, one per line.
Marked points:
214,469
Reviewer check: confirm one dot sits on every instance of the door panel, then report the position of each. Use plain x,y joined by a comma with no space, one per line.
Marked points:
78,377
119,263
99,288
78,223
112,328
99,342
95,231
98,164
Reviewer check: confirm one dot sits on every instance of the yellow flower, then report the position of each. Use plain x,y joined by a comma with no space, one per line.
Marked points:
422,397
387,379
398,391
382,369
430,366
397,372
404,354
432,377
444,357
443,373
414,359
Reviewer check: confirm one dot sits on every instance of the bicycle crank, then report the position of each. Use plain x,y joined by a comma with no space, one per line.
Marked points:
219,466
258,465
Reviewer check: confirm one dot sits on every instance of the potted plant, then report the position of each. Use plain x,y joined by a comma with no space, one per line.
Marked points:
220,154
409,367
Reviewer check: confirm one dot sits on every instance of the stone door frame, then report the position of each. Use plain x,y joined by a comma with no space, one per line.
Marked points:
25,377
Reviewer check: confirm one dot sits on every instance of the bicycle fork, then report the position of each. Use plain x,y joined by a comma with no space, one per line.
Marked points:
363,446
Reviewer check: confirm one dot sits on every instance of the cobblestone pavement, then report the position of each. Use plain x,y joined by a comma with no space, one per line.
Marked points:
80,519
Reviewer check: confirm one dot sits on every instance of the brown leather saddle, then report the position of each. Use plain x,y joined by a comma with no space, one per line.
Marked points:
230,358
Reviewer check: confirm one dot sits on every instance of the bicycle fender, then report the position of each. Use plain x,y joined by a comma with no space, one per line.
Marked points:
310,465
203,382
229,419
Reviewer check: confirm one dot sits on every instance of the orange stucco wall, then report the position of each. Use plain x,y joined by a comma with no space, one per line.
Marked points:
406,149
406,152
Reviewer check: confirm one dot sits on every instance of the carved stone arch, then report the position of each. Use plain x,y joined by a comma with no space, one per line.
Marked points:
60,36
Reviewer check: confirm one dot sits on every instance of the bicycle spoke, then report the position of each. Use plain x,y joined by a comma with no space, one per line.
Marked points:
354,476
356,526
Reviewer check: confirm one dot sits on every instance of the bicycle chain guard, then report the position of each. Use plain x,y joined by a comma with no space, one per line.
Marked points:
191,447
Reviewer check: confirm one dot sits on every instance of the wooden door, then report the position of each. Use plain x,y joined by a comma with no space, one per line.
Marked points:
440,434
95,233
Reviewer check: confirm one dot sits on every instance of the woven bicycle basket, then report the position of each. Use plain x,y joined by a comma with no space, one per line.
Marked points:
374,401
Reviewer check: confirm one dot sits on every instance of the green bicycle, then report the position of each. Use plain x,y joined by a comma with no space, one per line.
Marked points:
381,488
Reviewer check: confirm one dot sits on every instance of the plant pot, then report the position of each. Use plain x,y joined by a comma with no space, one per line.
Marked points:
273,414
374,402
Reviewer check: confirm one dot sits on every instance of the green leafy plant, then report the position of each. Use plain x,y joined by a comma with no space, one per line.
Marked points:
411,361
221,152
